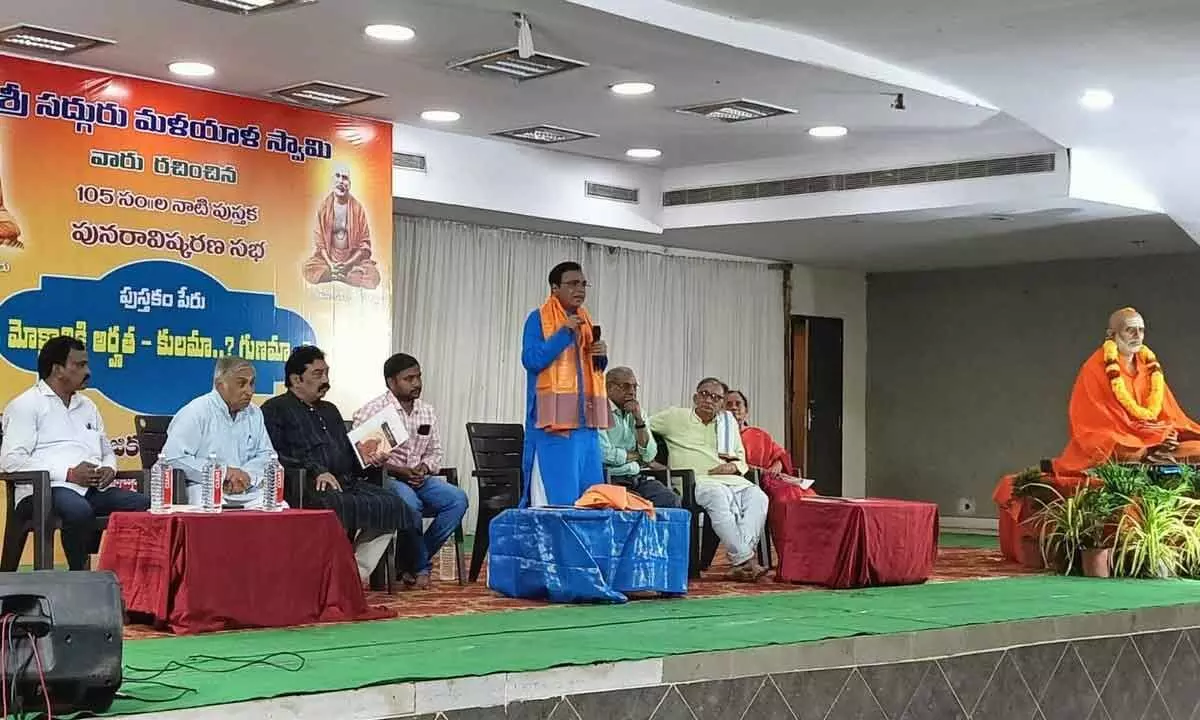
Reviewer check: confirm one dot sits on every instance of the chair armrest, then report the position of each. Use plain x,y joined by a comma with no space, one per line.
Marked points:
295,486
663,476
497,474
607,476
451,475
754,475
687,478
140,477
498,488
43,545
26,477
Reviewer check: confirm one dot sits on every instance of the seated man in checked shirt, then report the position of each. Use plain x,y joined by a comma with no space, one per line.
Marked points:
413,467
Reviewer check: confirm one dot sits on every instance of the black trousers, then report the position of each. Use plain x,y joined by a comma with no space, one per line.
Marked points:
650,488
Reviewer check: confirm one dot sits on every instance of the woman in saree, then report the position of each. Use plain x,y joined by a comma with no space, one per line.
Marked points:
779,478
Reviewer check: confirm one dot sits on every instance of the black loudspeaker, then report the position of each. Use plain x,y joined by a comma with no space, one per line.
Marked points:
76,619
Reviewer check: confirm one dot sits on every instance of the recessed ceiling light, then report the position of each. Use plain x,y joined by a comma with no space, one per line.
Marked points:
189,68
390,33
643,153
1095,99
827,131
633,88
440,116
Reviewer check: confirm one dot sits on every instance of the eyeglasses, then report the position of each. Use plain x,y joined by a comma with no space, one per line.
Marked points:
711,397
625,385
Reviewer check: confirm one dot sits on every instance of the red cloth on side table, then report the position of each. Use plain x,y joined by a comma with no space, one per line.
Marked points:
199,573
855,543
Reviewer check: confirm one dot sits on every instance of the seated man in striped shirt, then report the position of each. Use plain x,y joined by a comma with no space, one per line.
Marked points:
413,466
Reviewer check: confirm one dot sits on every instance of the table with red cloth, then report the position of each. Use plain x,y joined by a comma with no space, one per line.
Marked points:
852,543
202,572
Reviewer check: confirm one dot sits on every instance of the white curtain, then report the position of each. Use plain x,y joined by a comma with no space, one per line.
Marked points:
462,294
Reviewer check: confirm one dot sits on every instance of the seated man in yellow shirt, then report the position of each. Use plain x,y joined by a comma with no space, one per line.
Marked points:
706,439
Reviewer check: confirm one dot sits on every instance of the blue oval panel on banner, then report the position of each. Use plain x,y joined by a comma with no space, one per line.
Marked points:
154,330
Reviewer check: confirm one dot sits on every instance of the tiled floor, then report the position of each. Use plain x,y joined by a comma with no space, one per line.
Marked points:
1139,677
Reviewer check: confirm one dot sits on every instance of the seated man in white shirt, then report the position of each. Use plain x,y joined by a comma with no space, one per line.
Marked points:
52,427
225,425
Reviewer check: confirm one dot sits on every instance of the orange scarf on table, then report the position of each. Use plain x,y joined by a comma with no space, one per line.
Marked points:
614,497
558,390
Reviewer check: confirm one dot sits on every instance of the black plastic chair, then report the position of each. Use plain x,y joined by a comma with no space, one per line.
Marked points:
37,517
497,449
151,434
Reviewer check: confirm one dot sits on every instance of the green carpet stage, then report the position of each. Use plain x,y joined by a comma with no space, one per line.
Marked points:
210,670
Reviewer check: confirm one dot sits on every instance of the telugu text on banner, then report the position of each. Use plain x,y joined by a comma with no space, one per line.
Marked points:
166,227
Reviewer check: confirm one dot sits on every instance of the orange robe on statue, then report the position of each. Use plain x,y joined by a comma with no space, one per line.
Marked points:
9,231
1102,430
364,273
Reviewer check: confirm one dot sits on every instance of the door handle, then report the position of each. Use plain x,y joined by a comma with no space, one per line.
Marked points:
808,418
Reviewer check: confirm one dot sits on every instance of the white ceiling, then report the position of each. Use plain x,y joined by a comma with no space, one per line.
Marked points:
967,236
1031,59
325,42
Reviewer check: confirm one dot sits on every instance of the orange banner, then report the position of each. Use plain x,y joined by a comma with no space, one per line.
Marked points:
166,227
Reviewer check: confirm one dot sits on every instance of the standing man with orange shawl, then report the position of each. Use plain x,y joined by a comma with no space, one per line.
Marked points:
566,400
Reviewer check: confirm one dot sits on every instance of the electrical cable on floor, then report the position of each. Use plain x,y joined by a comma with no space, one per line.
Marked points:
202,664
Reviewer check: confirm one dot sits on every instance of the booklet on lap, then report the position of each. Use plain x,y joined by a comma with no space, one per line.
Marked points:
382,432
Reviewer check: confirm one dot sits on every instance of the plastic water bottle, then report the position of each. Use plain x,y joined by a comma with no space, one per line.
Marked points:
211,485
272,484
159,474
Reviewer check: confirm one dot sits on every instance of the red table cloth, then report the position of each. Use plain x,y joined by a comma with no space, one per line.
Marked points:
197,573
850,543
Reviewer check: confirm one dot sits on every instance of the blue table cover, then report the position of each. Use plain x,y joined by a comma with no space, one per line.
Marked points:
572,555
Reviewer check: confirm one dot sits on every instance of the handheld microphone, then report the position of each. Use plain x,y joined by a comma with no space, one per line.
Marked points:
596,339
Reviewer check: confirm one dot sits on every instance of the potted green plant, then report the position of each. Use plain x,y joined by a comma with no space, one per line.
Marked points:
1156,535
1098,508
1064,526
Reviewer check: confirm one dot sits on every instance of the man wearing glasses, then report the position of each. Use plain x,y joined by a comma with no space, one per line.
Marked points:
566,406
706,440
628,446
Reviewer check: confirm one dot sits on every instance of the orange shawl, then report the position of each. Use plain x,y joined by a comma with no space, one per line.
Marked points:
1100,426
558,391
614,497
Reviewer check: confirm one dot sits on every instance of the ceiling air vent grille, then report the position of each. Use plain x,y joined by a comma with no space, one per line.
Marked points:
249,7
732,111
47,42
545,134
966,170
325,95
510,64
408,161
611,192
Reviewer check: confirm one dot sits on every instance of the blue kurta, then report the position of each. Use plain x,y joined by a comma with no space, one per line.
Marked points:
557,467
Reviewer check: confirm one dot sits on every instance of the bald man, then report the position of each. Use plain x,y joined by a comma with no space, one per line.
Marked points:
627,446
1121,407
342,240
